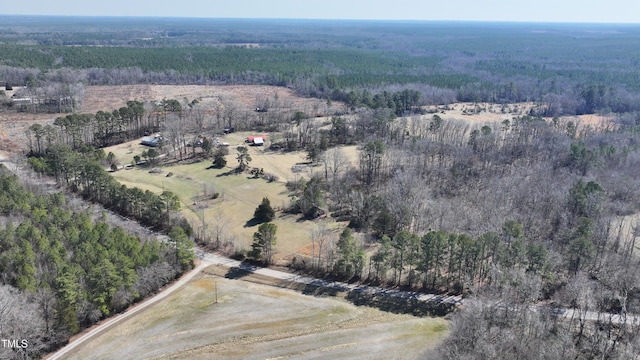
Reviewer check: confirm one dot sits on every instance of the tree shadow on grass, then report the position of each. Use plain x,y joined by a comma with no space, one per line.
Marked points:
400,305
238,272
319,290
230,172
252,222
385,300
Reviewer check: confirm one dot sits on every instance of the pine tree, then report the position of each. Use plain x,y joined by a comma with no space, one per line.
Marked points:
263,241
218,160
264,212
350,260
243,158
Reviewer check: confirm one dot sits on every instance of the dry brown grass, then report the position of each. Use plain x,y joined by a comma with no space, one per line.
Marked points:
245,97
108,98
239,197
255,321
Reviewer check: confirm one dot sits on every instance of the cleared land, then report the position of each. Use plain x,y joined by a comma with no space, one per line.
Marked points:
108,98
256,321
239,195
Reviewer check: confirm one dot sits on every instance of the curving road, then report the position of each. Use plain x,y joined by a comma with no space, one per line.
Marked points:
207,259
128,313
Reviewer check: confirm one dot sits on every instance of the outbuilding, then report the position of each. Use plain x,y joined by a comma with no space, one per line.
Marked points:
258,141
150,141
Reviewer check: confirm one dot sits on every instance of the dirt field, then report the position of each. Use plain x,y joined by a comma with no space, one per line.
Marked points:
107,98
256,321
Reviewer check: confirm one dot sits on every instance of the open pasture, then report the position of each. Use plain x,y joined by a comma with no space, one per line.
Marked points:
256,321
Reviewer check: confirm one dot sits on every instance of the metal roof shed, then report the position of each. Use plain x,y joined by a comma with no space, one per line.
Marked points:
258,141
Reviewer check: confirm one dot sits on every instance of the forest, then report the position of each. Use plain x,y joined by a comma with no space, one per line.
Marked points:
525,218
511,215
566,68
64,267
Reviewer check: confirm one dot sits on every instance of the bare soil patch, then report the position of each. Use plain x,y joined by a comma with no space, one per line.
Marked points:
108,98
249,96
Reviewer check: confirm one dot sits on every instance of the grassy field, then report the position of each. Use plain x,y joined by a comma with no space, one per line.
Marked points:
256,321
239,195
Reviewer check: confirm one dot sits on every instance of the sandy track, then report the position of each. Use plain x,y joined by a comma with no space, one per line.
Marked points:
274,277
252,319
99,328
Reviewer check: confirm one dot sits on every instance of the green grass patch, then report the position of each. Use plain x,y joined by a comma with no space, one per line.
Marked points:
239,195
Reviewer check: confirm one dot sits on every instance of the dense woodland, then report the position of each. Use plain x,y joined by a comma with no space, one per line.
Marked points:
63,269
513,215
529,202
566,69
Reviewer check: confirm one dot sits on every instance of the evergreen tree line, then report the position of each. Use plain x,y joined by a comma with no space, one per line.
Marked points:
82,171
401,102
62,271
100,129
439,260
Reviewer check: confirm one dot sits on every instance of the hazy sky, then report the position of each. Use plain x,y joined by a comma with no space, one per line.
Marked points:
614,11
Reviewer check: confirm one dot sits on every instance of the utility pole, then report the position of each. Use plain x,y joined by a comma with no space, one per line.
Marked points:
204,229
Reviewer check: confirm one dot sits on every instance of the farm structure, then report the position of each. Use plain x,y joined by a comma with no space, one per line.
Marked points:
151,141
256,140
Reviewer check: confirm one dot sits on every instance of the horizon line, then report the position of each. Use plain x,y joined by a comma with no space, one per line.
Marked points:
566,22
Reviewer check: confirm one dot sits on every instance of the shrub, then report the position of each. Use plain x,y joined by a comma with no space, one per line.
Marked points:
218,160
264,212
270,177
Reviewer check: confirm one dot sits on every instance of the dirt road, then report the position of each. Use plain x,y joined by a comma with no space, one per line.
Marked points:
334,285
75,342
207,259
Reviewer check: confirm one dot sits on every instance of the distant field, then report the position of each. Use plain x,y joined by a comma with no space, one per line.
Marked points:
108,98
254,321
